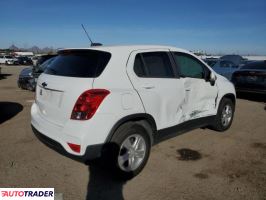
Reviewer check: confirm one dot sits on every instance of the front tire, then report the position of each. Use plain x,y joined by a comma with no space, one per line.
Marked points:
131,149
225,115
30,87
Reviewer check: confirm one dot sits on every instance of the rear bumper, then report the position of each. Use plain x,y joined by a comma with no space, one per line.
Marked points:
84,133
92,152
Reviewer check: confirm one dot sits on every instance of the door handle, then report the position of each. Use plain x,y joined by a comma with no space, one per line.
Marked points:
148,87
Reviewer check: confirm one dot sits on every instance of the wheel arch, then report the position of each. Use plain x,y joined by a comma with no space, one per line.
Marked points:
141,117
216,124
230,96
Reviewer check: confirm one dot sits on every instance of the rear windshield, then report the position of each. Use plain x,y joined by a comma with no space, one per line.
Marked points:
79,63
255,65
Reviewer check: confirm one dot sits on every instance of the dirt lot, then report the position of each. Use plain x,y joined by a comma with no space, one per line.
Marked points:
230,165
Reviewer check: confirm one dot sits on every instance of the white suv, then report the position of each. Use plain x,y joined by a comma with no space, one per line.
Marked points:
116,102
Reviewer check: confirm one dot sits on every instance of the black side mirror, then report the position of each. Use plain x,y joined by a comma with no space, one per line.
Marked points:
210,77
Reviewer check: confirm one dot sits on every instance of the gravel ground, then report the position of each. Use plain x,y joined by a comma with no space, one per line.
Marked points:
201,164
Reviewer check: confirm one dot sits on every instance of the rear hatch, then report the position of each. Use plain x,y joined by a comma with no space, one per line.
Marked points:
70,74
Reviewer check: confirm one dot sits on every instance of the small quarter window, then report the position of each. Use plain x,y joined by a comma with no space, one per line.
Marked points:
139,67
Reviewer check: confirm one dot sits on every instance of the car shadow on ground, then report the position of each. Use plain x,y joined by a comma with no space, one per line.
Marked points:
252,97
4,76
103,184
9,110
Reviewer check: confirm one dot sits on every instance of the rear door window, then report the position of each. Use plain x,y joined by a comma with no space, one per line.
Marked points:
158,65
79,63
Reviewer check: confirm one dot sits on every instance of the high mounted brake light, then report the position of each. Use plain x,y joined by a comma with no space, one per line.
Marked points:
88,103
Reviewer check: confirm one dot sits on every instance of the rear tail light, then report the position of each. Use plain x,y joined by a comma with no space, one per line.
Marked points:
88,103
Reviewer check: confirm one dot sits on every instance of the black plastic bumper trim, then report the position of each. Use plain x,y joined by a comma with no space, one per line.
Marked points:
92,152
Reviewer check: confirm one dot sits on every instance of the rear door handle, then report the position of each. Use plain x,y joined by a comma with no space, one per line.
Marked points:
148,87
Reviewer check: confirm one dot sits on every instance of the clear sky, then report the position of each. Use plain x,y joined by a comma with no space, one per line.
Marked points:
236,26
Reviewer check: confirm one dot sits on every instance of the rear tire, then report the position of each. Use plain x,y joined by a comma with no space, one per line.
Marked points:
128,150
225,115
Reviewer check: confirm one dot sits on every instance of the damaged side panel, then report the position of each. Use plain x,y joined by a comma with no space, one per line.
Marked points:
170,100
161,97
200,98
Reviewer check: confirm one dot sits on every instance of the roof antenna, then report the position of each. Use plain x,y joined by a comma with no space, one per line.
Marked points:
92,43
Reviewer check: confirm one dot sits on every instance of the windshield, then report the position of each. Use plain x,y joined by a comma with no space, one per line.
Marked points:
79,63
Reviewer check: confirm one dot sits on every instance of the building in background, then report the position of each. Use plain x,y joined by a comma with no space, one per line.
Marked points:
23,53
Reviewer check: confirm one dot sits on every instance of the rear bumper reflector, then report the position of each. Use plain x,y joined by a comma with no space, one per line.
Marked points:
74,147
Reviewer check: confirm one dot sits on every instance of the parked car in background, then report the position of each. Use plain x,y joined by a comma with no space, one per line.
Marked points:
251,78
38,69
25,79
211,61
41,59
8,60
28,76
236,59
24,60
225,68
116,102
